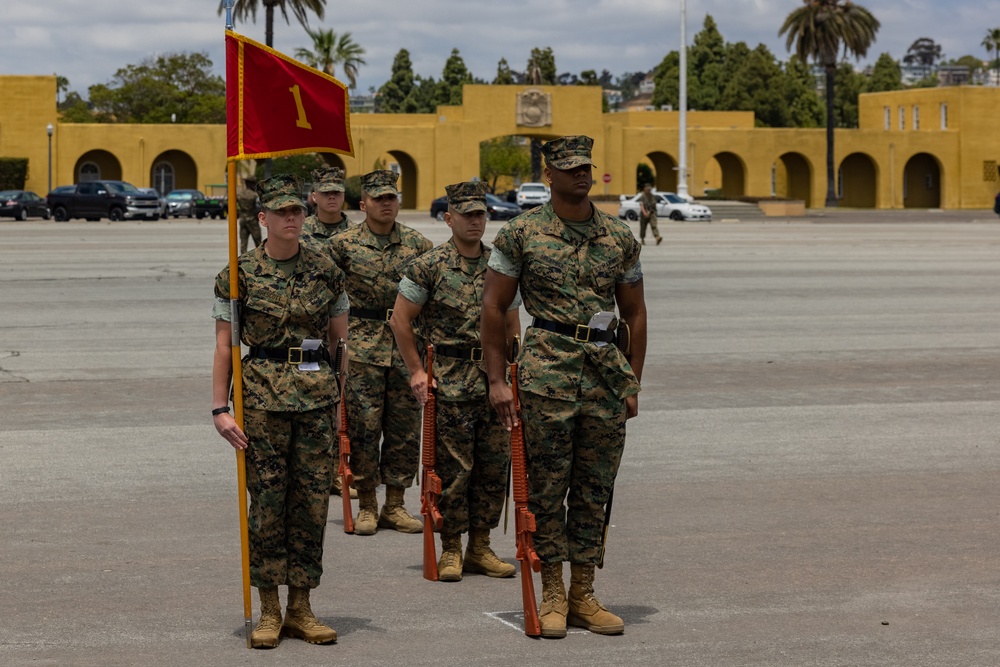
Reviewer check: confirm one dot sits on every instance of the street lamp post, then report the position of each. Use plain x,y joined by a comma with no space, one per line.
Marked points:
49,129
682,168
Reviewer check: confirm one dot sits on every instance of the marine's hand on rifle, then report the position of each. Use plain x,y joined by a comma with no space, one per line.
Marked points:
227,428
502,400
418,383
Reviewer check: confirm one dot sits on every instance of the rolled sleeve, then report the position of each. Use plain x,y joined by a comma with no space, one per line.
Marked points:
501,264
222,310
413,292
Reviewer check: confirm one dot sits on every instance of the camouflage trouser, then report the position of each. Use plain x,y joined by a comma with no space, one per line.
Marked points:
381,406
572,446
249,227
651,221
288,477
472,452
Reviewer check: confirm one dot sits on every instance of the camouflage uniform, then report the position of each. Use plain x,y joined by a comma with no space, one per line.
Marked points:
327,179
473,446
246,214
380,403
572,393
287,410
648,201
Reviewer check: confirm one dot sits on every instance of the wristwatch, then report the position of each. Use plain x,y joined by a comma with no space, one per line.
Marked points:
219,411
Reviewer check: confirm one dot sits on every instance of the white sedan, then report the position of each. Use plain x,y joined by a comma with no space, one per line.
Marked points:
668,205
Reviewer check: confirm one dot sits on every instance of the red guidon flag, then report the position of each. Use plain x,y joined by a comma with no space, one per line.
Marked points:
277,106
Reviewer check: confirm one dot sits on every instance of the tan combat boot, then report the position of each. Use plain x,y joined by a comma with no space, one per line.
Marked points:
335,488
479,557
268,630
301,622
395,516
450,563
367,521
585,610
552,613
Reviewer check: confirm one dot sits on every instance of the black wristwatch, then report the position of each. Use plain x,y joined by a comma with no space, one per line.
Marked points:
218,411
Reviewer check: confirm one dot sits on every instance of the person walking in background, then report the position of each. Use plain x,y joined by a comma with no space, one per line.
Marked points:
246,214
647,214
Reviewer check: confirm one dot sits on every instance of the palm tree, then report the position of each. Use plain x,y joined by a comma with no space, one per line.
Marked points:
245,9
992,43
330,51
818,29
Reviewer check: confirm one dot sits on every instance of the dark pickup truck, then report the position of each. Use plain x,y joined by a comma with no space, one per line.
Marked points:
93,200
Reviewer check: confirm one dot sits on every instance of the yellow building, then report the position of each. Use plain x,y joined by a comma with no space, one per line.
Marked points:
924,148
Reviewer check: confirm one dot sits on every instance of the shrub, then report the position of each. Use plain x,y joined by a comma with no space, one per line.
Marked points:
13,173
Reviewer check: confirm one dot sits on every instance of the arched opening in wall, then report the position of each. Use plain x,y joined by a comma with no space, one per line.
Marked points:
664,169
505,163
404,165
922,182
725,176
334,160
97,164
793,178
858,181
175,170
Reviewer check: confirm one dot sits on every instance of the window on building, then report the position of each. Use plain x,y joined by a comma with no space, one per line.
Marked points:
887,113
944,116
89,171
163,177
902,118
916,117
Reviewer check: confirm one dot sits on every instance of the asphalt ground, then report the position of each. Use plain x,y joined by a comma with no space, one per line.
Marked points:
812,480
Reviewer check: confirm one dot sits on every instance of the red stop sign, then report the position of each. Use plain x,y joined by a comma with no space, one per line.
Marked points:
606,178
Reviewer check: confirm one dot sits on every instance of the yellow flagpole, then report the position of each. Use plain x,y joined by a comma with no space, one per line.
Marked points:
241,465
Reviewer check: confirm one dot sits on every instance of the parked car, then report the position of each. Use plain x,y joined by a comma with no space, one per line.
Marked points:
668,205
22,204
182,202
496,208
161,198
93,200
530,195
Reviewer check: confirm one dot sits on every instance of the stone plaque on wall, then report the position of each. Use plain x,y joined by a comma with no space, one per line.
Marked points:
534,108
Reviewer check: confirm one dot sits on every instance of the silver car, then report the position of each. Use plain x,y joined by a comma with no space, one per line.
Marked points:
668,205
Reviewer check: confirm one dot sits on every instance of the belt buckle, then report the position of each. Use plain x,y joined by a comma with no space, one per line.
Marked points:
291,358
586,337
476,354
388,314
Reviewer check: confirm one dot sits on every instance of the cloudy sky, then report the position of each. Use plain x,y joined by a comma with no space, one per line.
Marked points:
88,40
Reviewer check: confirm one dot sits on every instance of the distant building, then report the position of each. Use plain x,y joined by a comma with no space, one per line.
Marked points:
953,75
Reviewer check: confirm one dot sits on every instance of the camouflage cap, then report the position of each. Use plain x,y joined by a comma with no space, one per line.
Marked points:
380,182
328,179
568,152
467,197
279,191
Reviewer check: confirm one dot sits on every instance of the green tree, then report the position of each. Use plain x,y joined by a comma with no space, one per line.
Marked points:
397,94
427,95
924,51
454,76
972,62
174,87
643,175
818,30
707,69
504,76
75,109
329,50
503,156
991,42
247,9
886,75
758,86
62,85
300,165
850,84
667,81
804,106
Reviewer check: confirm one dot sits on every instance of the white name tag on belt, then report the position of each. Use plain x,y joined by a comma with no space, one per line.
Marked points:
310,344
603,320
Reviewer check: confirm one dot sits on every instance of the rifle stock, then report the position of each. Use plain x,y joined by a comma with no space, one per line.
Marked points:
344,443
430,483
524,520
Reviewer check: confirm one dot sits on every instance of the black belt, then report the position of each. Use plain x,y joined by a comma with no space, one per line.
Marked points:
293,355
464,353
372,313
580,332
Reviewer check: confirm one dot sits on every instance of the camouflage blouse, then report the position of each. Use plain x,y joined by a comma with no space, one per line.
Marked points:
314,230
450,289
280,311
567,279
373,276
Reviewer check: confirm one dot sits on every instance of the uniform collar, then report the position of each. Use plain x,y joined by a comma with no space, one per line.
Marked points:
553,226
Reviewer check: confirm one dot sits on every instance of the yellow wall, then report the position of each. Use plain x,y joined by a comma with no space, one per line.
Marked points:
953,166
